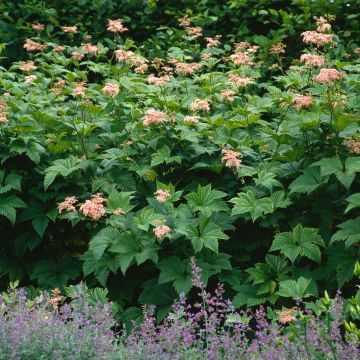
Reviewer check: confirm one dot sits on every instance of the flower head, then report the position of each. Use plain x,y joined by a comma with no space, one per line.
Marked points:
70,29
162,195
38,27
213,42
231,158
77,55
111,89
59,48
286,316
161,231
194,32
302,101
119,211
116,26
192,119
67,204
158,81
311,60
227,95
200,105
90,48
79,89
328,76
27,66
153,116
94,207
316,38
240,80
30,79
278,48
31,46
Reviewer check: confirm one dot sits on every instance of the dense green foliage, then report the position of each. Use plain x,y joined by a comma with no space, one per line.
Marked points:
282,224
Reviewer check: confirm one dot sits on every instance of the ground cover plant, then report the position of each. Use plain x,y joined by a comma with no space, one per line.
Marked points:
122,159
49,327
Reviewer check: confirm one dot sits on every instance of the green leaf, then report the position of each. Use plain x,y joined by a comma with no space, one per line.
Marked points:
8,206
301,241
350,232
147,217
206,200
295,289
354,202
248,203
102,240
308,182
120,200
163,155
174,270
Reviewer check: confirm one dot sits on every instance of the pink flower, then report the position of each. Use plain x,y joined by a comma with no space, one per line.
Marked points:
286,316
158,81
352,145
322,25
31,46
312,60
38,27
59,48
200,105
161,231
278,48
94,208
187,68
185,22
3,111
241,58
162,195
111,89
30,79
212,42
192,119
231,158
123,55
194,32
328,76
240,80
70,29
90,48
227,95
141,69
153,116
117,26
27,66
67,204
119,211
79,89
319,39
77,55
302,101
206,57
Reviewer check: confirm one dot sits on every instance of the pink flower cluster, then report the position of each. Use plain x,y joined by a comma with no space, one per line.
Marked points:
77,55
192,119
194,31
153,116
30,79
27,66
158,81
240,80
227,95
111,89
38,27
3,111
67,204
185,22
59,48
116,26
200,105
302,101
328,76
31,46
242,53
311,60
231,158
70,29
278,48
316,38
58,87
353,145
94,207
322,25
79,89
162,195
186,68
161,231
213,42
141,69
90,48
129,57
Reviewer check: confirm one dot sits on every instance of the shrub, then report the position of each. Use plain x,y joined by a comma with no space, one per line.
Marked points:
118,164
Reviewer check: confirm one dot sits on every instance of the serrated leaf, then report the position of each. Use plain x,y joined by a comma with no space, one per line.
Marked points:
350,232
308,182
301,241
298,289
